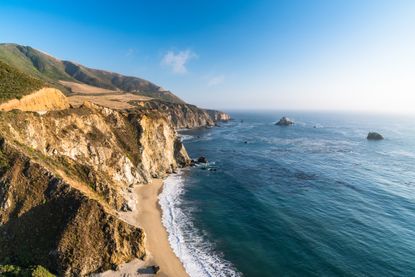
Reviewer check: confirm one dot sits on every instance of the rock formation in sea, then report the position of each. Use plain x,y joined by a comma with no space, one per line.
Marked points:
202,159
374,136
284,121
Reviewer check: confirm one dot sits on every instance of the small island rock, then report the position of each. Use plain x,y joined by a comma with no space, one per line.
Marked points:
374,136
284,121
202,160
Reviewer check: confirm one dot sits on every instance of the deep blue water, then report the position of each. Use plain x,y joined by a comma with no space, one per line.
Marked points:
299,200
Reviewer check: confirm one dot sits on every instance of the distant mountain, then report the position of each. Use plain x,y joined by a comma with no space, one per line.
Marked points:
16,84
52,70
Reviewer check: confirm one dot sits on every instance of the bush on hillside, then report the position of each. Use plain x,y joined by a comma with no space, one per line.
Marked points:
15,84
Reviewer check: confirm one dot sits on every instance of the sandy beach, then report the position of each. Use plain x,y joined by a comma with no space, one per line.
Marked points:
148,216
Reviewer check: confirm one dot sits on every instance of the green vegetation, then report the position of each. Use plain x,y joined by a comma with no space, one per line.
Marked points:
32,271
40,271
33,62
15,84
4,162
51,70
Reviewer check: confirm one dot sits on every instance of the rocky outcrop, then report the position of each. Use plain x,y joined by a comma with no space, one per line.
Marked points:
45,99
64,176
47,221
202,159
184,115
218,115
285,121
374,136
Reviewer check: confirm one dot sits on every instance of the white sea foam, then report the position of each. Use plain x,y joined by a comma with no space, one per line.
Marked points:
184,137
194,251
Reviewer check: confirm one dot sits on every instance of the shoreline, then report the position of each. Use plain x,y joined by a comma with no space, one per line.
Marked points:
148,215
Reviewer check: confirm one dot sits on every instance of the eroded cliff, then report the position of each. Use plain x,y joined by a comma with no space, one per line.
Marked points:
64,176
184,115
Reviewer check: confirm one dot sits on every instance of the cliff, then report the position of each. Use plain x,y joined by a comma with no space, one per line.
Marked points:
184,115
181,115
218,115
65,175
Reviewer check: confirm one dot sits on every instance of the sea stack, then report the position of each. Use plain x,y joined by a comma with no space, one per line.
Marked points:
374,136
284,121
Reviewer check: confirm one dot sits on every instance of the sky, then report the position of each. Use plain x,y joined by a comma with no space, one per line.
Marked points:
356,55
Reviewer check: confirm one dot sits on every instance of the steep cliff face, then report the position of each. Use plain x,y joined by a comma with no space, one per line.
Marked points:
185,115
163,151
65,174
218,115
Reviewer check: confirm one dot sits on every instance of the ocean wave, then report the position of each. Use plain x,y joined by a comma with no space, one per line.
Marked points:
192,248
184,137
402,153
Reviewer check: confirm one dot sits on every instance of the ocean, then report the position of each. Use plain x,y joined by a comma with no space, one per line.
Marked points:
312,199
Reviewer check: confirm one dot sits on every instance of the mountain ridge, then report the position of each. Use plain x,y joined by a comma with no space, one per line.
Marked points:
52,70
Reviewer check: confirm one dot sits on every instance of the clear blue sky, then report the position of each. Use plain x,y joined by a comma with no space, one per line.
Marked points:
310,54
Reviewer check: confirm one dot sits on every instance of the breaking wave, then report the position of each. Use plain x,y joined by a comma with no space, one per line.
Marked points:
191,247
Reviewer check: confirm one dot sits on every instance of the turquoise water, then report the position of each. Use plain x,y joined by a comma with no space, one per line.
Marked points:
313,199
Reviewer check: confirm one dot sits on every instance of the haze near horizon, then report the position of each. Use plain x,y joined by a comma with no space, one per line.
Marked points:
313,55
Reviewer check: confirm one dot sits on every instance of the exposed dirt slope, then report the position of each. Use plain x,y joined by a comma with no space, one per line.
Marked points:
45,99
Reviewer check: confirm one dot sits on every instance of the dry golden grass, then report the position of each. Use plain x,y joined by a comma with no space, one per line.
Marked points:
113,99
86,89
45,99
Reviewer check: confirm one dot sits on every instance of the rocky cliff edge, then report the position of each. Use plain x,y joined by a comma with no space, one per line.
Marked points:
64,176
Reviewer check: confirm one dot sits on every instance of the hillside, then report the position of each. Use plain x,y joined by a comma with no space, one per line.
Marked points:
15,84
52,70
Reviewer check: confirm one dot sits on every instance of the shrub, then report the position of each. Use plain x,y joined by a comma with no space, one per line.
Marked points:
33,271
15,84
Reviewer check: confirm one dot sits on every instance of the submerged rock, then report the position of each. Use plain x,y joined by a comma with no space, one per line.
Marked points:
284,121
374,136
